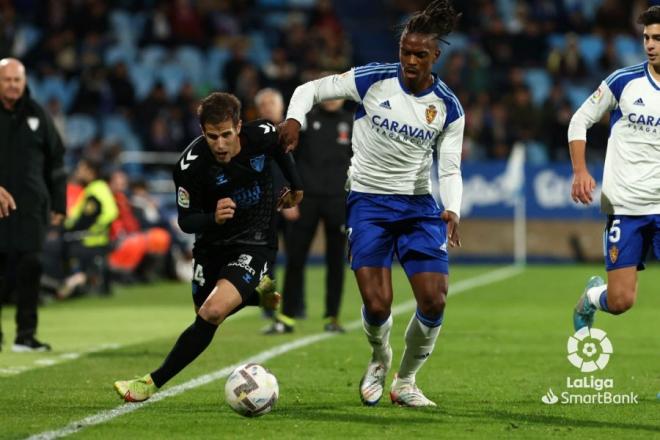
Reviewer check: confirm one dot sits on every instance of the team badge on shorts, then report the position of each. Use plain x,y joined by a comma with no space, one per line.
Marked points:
430,113
614,253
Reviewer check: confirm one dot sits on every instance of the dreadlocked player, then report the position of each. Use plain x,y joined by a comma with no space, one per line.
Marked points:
404,113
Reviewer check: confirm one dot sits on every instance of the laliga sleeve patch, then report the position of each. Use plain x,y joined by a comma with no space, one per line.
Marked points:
183,198
597,96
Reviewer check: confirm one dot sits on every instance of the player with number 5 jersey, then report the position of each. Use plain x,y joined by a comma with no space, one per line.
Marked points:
631,178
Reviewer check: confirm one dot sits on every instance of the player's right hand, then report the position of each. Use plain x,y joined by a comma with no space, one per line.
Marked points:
583,187
224,210
289,134
7,203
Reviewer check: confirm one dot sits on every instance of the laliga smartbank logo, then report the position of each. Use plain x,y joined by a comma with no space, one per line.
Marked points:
589,350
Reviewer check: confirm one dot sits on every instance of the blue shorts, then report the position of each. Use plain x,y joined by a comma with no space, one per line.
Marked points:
381,225
628,238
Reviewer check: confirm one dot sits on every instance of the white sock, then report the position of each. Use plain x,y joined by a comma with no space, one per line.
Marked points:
594,294
420,340
379,338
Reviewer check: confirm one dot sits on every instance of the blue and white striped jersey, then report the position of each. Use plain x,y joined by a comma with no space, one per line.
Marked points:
395,132
631,178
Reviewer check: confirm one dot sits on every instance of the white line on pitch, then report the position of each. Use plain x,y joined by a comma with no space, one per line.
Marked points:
70,356
104,416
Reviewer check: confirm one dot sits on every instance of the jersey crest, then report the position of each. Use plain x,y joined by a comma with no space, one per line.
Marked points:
257,163
431,112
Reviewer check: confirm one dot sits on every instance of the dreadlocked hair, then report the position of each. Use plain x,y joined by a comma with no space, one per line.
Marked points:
438,19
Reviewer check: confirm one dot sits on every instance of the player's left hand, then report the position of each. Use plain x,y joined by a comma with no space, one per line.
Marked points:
289,199
452,220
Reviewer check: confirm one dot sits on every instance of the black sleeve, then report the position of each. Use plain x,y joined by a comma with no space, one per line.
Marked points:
288,166
54,172
192,219
88,216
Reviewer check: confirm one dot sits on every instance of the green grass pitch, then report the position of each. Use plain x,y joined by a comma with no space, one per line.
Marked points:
502,347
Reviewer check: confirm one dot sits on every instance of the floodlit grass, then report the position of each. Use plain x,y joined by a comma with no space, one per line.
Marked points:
503,345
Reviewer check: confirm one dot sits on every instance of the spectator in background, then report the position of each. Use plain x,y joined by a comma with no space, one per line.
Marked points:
157,29
280,73
323,156
87,230
556,115
121,88
568,62
32,187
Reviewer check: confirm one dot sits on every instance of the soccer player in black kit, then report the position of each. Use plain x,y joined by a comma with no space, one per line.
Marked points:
224,192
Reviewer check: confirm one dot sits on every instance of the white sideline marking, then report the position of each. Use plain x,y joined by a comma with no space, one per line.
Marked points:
70,356
47,362
104,416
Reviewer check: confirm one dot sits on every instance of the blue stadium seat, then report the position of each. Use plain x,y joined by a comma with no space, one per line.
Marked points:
120,53
25,39
577,95
258,53
215,61
556,41
143,79
116,128
172,75
628,49
539,83
194,61
80,129
153,56
56,87
591,48
127,27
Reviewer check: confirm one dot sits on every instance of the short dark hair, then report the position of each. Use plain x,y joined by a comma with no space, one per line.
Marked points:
438,19
219,107
650,16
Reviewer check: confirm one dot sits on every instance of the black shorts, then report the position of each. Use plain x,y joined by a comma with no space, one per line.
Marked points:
243,266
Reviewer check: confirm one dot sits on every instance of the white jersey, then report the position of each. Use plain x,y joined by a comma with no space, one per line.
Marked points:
395,132
631,178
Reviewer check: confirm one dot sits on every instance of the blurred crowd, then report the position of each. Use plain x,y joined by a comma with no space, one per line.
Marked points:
125,75
122,78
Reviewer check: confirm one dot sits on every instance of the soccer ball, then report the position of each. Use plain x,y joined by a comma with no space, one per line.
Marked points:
251,390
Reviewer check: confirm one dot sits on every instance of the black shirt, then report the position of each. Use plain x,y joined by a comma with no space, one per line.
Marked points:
247,179
324,152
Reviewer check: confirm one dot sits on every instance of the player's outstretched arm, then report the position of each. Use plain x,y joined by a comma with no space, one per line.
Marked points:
310,93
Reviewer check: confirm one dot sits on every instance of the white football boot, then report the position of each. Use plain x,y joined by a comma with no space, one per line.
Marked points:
407,394
372,384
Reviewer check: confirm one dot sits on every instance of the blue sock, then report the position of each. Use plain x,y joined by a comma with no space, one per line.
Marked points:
602,300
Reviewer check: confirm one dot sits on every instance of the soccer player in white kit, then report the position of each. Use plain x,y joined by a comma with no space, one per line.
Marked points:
631,178
405,116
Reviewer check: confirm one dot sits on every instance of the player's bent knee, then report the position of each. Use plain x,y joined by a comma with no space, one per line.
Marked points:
212,313
377,309
434,306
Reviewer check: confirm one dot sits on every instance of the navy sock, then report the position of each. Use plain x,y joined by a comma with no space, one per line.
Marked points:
192,342
602,300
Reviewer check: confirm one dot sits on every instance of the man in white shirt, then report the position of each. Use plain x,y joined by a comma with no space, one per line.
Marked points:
631,178
405,115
